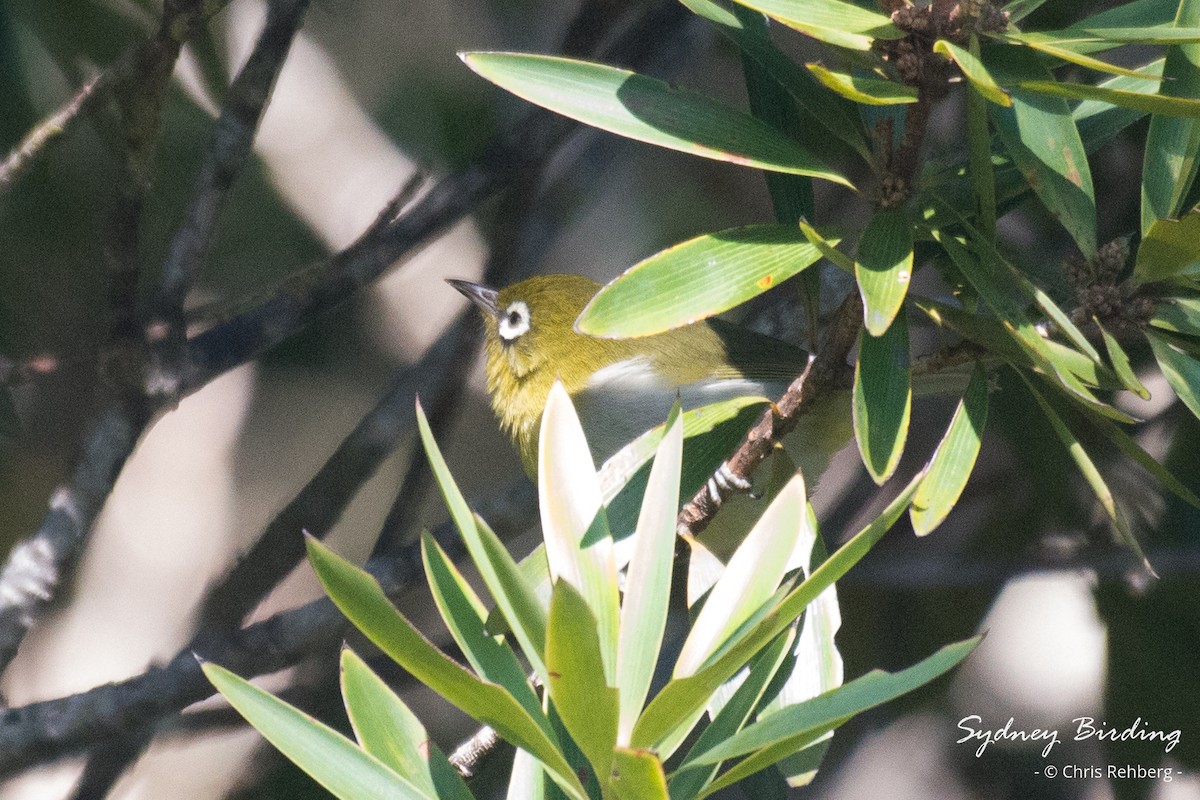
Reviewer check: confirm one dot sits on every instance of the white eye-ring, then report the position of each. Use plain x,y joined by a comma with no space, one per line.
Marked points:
514,322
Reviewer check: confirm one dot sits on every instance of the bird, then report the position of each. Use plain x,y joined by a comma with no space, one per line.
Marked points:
623,387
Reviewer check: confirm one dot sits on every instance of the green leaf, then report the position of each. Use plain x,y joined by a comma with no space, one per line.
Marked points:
884,267
791,195
683,698
710,432
1019,9
648,581
835,256
830,21
770,101
1098,122
525,615
1138,101
647,110
1039,134
527,780
585,702
579,548
386,729
1092,475
1173,144
697,279
1180,369
828,118
979,142
1127,445
860,89
638,775
818,664
882,398
465,616
750,578
1122,366
800,768
1052,360
332,760
789,730
690,779
1070,52
363,602
1170,249
952,462
974,71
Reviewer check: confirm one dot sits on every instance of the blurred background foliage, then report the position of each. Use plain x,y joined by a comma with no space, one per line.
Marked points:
374,91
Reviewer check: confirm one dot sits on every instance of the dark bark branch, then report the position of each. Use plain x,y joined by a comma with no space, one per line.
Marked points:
250,333
231,147
42,732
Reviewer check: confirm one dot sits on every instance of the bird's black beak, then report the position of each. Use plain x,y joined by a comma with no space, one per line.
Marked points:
477,293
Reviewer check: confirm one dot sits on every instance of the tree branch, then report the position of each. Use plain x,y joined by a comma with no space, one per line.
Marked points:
44,731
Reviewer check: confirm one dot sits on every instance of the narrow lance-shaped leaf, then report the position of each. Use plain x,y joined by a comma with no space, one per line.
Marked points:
689,779
750,577
1129,446
1092,475
699,424
520,607
1051,359
771,101
386,729
332,760
829,118
835,256
1122,366
979,144
526,780
785,732
1138,101
1173,144
882,398
464,616
680,699
579,548
1170,249
1040,135
1069,52
818,664
586,704
638,775
975,72
647,109
363,602
1178,315
648,581
954,458
696,279
1098,122
860,89
884,267
831,21
1180,369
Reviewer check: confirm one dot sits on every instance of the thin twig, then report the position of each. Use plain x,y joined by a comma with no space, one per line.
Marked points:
53,126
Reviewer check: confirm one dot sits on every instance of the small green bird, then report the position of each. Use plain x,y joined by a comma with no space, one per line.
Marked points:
623,387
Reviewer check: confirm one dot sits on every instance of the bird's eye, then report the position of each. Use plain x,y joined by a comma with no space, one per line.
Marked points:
514,322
